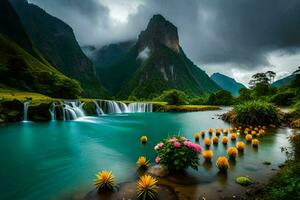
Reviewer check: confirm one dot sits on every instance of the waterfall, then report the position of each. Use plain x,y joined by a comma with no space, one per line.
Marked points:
107,106
98,109
72,110
140,107
25,111
52,111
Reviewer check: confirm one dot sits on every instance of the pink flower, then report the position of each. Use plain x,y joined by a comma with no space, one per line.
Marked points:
172,140
177,144
157,160
184,139
188,144
197,148
159,146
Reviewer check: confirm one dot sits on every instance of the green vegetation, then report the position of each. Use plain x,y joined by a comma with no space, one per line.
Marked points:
173,97
187,108
286,183
222,97
256,113
243,180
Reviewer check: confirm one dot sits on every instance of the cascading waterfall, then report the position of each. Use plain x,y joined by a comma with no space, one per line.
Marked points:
72,110
25,110
107,106
140,107
52,111
98,109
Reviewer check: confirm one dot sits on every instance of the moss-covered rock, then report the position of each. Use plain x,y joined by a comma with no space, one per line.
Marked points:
243,180
11,111
90,108
39,112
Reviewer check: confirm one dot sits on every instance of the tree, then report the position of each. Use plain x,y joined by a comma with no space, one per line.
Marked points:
259,78
173,97
271,75
222,97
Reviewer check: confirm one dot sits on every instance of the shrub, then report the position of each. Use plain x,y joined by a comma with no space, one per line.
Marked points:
283,98
256,112
221,97
173,97
178,153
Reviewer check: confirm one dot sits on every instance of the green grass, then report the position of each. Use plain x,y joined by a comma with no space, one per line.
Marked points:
188,108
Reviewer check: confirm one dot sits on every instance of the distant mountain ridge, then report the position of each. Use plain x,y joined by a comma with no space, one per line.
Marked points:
56,41
154,64
284,81
227,83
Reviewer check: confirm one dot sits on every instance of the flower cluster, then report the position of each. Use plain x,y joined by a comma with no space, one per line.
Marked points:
177,153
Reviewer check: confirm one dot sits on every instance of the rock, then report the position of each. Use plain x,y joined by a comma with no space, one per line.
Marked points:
90,108
39,112
158,171
266,163
14,116
243,181
11,110
295,123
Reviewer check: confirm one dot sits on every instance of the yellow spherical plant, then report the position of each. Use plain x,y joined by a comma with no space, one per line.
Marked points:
233,136
261,132
224,140
210,131
142,162
225,131
215,139
207,155
231,130
146,187
222,163
255,142
240,146
232,152
218,131
248,137
104,180
202,132
144,139
253,133
196,136
207,142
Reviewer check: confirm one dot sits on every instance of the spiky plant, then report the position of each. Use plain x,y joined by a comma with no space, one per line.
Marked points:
215,139
240,146
210,131
218,131
233,136
232,152
224,140
146,188
142,162
255,142
196,136
207,142
222,163
248,137
144,139
202,132
104,180
207,155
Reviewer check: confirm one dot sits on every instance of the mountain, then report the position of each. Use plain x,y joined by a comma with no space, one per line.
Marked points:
22,66
156,63
57,43
227,83
284,81
106,56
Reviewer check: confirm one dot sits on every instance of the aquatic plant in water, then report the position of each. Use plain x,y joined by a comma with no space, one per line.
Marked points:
218,132
210,131
142,162
178,153
240,146
248,137
207,142
144,139
222,163
104,180
202,132
255,142
233,136
243,180
224,140
215,139
208,155
196,136
146,187
232,152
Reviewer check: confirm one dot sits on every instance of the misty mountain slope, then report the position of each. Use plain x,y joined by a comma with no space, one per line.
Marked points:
56,41
20,63
227,83
284,81
156,63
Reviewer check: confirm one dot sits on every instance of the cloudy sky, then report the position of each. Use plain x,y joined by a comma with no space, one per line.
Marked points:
234,37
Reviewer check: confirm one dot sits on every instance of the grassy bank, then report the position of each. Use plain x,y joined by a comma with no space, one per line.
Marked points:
187,108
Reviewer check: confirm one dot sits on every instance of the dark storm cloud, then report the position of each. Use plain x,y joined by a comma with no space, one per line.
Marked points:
241,32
